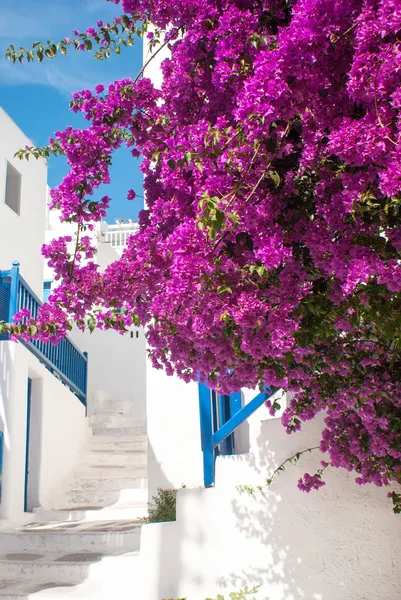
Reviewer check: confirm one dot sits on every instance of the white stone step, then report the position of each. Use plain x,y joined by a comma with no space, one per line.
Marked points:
109,444
131,511
59,567
100,498
118,431
111,537
120,459
138,480
110,472
113,404
114,420
101,578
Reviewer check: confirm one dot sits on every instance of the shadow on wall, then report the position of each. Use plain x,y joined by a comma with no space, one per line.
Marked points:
5,366
335,544
35,443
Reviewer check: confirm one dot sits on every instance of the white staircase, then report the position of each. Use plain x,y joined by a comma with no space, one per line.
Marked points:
85,545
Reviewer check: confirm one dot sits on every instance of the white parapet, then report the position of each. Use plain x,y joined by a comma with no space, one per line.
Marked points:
57,433
340,543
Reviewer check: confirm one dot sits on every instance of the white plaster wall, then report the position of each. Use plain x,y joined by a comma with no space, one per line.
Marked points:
341,543
116,365
153,62
172,406
59,430
22,235
174,445
174,452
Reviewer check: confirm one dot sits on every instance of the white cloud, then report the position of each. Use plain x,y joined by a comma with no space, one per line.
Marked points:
102,7
31,21
53,20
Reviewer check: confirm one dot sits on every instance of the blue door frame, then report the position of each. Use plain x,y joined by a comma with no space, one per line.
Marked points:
220,415
28,432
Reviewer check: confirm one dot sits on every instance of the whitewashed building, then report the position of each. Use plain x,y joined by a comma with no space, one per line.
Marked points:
87,466
336,544
116,234
39,416
72,418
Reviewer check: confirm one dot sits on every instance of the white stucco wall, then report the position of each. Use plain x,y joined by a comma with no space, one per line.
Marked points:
59,430
116,364
22,235
174,446
341,543
172,406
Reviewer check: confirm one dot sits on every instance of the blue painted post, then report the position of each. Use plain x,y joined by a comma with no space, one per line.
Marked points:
86,383
235,403
13,300
27,437
206,425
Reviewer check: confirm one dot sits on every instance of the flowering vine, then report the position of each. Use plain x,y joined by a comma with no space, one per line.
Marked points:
269,249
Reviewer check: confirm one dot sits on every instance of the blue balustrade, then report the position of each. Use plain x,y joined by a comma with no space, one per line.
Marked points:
64,360
220,415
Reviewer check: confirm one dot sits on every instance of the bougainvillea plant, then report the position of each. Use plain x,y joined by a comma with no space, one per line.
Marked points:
270,246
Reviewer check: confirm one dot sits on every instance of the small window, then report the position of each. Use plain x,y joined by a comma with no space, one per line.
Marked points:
13,188
47,288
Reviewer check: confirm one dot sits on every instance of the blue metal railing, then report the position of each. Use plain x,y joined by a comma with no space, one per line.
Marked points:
219,417
64,360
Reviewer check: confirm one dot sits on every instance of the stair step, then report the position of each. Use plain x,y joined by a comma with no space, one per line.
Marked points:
106,537
123,442
61,567
111,471
113,420
112,404
102,498
79,576
97,459
132,511
118,431
138,480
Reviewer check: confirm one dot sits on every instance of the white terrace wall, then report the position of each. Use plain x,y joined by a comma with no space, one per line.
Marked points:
22,235
172,406
58,430
174,445
341,543
116,365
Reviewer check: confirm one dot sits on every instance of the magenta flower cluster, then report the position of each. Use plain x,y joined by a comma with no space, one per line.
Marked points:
269,249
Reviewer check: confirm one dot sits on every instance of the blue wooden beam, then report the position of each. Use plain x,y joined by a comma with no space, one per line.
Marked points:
206,425
236,420
13,301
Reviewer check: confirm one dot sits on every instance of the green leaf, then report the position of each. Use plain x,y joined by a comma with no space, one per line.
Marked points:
32,329
275,177
223,289
171,164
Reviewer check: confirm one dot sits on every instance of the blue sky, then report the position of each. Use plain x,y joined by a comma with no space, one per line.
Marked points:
36,96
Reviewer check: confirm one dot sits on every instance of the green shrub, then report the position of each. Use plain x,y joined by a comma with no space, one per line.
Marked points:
162,508
241,595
